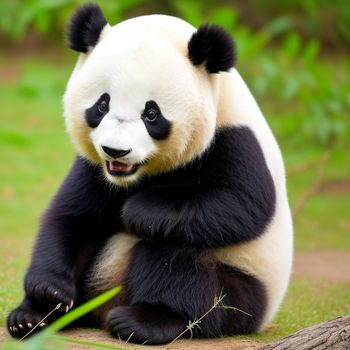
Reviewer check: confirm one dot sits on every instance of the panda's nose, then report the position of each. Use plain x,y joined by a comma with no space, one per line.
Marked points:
116,153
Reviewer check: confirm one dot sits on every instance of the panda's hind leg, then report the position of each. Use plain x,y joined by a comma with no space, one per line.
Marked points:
244,301
170,287
145,323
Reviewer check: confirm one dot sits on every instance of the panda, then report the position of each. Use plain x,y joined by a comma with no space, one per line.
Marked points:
177,191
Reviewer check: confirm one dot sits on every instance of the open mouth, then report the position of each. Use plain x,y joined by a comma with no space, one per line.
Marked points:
116,168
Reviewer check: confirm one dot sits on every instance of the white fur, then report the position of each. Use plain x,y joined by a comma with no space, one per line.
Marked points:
143,59
269,257
136,61
112,262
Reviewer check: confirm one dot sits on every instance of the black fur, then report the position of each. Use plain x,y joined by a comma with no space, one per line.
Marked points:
160,128
214,47
223,198
94,114
145,323
80,218
171,285
85,27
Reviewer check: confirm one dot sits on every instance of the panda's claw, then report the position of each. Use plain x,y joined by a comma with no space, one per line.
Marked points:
22,320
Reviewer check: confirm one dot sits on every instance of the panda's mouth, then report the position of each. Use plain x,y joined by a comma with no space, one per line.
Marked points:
116,168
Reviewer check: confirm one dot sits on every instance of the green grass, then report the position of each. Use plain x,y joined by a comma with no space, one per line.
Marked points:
14,256
35,150
36,153
307,303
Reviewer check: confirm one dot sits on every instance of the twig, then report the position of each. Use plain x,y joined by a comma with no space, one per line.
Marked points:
235,309
195,323
41,321
191,324
315,188
127,340
306,165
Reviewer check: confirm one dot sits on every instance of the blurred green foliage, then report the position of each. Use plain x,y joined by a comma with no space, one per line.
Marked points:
281,50
49,17
322,18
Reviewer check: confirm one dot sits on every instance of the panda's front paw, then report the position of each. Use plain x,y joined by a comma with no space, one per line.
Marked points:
47,291
25,319
143,218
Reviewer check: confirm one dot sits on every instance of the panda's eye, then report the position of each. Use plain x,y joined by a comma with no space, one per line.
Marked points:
151,115
103,106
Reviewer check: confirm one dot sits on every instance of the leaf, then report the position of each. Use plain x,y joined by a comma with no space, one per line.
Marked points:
279,26
292,44
311,52
190,11
225,16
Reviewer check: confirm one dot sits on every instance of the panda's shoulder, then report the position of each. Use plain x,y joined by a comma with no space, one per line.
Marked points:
234,156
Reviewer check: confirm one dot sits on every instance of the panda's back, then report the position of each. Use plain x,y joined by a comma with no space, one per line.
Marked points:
268,257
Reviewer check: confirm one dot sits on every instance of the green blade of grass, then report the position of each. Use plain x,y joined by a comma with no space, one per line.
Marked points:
81,310
90,343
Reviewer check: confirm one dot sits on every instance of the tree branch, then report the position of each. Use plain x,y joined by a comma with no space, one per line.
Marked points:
333,334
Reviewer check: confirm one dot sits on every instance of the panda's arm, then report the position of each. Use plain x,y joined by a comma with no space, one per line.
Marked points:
70,229
233,202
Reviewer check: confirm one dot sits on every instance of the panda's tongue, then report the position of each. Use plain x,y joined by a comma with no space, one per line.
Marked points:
118,166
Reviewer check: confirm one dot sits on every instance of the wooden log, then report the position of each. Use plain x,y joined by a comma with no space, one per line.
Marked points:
330,335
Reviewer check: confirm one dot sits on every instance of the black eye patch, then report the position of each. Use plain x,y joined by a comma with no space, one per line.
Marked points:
95,114
156,124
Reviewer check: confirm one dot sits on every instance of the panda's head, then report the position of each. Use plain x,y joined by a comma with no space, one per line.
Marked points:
142,98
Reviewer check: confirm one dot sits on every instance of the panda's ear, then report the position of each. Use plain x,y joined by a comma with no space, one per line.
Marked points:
214,47
85,27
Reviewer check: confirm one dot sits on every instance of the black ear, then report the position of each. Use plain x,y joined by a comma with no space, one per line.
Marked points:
214,47
85,27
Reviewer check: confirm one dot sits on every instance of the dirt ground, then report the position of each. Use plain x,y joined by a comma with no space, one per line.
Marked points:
197,344
103,337
323,265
